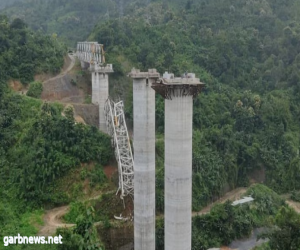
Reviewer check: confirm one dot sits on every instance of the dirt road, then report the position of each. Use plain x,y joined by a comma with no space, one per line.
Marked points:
294,205
233,195
64,72
52,220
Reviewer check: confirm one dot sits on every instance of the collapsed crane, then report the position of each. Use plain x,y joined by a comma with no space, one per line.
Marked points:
117,129
111,114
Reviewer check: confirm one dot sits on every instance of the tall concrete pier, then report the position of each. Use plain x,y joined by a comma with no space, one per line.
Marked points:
100,90
91,55
144,158
178,94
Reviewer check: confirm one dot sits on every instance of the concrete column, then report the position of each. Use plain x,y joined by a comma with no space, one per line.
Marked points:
95,88
100,90
144,160
178,94
103,96
178,172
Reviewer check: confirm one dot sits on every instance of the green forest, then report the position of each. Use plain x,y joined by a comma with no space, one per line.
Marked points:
248,117
6,3
71,20
246,122
37,144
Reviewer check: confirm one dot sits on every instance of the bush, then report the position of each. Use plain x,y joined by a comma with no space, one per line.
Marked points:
97,176
83,174
58,198
76,209
266,201
35,89
295,196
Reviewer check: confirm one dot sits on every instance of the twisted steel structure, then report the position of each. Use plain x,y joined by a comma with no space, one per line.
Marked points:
111,114
117,129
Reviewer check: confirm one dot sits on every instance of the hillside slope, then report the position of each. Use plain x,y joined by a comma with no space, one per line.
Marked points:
246,123
6,3
40,149
71,20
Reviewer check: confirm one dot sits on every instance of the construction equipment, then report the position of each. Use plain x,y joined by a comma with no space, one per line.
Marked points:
117,129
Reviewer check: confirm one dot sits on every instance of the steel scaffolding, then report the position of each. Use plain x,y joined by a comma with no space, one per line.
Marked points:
117,129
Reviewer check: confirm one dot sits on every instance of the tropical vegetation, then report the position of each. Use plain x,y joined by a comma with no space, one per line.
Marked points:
246,122
38,145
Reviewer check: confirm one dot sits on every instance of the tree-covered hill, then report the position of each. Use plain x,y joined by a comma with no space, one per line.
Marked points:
246,122
38,145
7,3
24,53
249,45
71,20
247,119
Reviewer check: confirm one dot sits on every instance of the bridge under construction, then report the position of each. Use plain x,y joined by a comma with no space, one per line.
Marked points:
137,177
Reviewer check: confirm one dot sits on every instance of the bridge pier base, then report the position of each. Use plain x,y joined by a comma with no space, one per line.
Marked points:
100,91
84,65
144,159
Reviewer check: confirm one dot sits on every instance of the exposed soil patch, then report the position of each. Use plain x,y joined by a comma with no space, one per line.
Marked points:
79,119
294,205
52,221
232,195
88,112
16,85
47,76
258,175
43,77
109,171
63,86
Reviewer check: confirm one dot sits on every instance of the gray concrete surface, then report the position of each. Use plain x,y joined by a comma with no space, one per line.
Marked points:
95,88
249,243
144,162
103,96
178,172
100,94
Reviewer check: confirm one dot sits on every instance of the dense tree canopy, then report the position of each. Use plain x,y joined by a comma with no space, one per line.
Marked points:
71,20
247,119
24,53
38,146
246,122
285,234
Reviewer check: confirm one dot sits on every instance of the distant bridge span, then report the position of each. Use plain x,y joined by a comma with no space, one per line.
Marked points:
90,52
91,56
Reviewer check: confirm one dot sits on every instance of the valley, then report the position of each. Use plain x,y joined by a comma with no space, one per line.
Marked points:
58,174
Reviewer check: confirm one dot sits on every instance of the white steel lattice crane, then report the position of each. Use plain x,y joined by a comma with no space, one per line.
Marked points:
93,54
116,126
